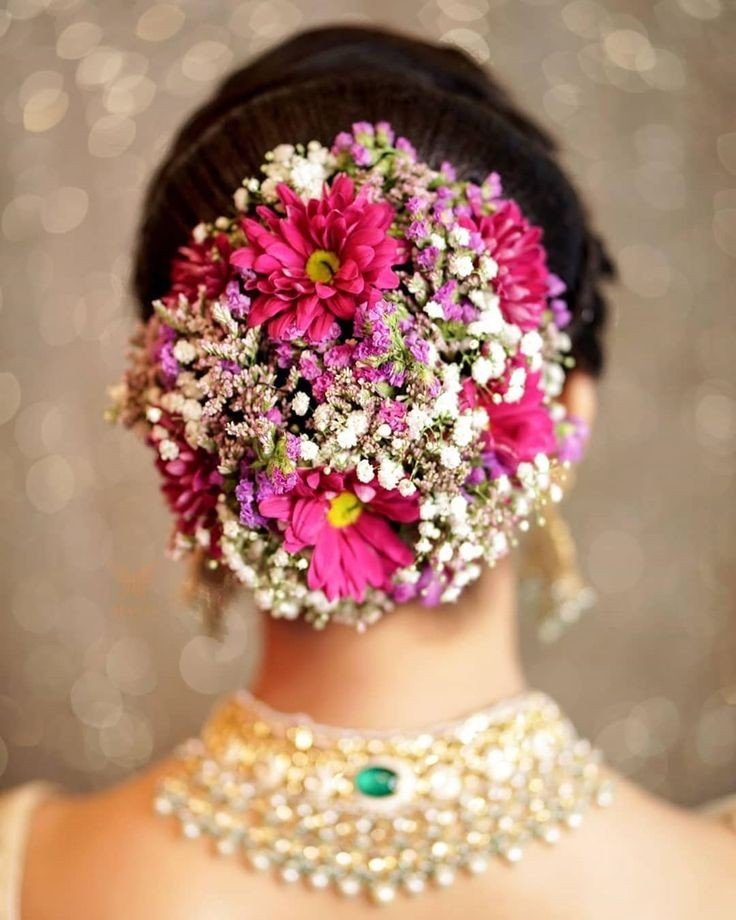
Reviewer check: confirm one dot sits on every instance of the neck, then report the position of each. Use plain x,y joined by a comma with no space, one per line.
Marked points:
416,666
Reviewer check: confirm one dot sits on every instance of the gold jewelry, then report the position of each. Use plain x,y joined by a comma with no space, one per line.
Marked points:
380,812
550,572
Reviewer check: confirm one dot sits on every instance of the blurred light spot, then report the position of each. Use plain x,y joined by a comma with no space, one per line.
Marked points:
10,395
87,541
48,670
38,429
159,22
206,60
129,742
22,218
715,419
34,605
45,109
60,319
715,736
270,19
561,101
724,230
615,561
22,722
50,484
77,40
464,10
130,95
701,9
64,209
95,701
661,185
629,49
660,142
644,270
470,41
26,9
110,135
583,17
100,66
668,73
726,147
130,667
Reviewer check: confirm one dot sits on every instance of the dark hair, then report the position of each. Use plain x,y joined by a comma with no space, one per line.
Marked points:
317,84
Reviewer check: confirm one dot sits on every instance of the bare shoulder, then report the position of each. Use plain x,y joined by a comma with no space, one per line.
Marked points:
108,856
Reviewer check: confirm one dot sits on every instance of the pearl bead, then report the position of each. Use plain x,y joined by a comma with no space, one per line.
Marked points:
349,886
383,893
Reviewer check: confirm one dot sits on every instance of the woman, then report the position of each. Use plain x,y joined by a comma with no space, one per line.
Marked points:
365,368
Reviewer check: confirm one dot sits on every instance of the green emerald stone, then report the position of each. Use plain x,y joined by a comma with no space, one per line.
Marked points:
376,781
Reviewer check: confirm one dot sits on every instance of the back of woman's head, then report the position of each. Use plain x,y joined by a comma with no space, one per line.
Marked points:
317,84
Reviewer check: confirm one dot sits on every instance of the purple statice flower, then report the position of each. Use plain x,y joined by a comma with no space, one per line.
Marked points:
560,312
468,312
368,373
393,413
361,155
283,482
232,367
321,384
418,347
245,493
573,442
293,446
418,230
430,586
393,375
449,173
363,130
238,303
475,476
434,387
163,352
494,465
403,592
384,132
494,186
427,258
339,355
309,366
274,415
445,295
406,146
416,205
284,353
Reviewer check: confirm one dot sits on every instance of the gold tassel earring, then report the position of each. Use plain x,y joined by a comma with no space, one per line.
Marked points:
551,575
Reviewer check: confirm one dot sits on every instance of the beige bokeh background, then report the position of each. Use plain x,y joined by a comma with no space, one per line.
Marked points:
101,667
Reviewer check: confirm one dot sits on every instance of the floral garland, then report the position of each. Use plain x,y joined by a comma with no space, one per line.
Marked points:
351,386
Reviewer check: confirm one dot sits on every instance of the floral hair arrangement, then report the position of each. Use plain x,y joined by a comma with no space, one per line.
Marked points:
351,386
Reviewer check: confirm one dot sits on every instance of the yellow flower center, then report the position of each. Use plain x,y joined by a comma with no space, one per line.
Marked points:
322,265
345,509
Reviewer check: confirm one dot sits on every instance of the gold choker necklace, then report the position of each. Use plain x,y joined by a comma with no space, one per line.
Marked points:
380,812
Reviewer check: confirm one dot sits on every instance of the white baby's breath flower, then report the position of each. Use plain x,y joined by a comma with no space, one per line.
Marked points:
459,237
417,420
427,509
434,310
461,265
184,351
241,198
283,153
347,438
517,384
191,410
438,241
531,343
300,403
462,430
322,416
553,378
168,450
358,422
384,430
364,471
309,450
469,551
445,552
458,507
510,336
268,189
199,234
389,473
407,488
450,457
423,546
487,267
153,414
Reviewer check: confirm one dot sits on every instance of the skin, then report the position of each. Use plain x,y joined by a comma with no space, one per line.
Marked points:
107,857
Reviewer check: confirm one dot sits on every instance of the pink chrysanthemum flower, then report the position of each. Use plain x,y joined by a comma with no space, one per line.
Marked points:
518,431
347,524
317,263
202,265
523,278
191,485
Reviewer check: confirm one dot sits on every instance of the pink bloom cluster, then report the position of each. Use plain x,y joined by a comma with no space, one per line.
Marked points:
351,386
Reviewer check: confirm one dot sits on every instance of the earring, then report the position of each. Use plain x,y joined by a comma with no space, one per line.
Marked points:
551,575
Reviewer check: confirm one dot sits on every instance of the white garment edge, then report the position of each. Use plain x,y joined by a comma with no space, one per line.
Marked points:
16,811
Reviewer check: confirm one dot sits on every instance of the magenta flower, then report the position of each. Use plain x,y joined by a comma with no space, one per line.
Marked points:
347,524
518,431
523,277
202,265
316,264
192,485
